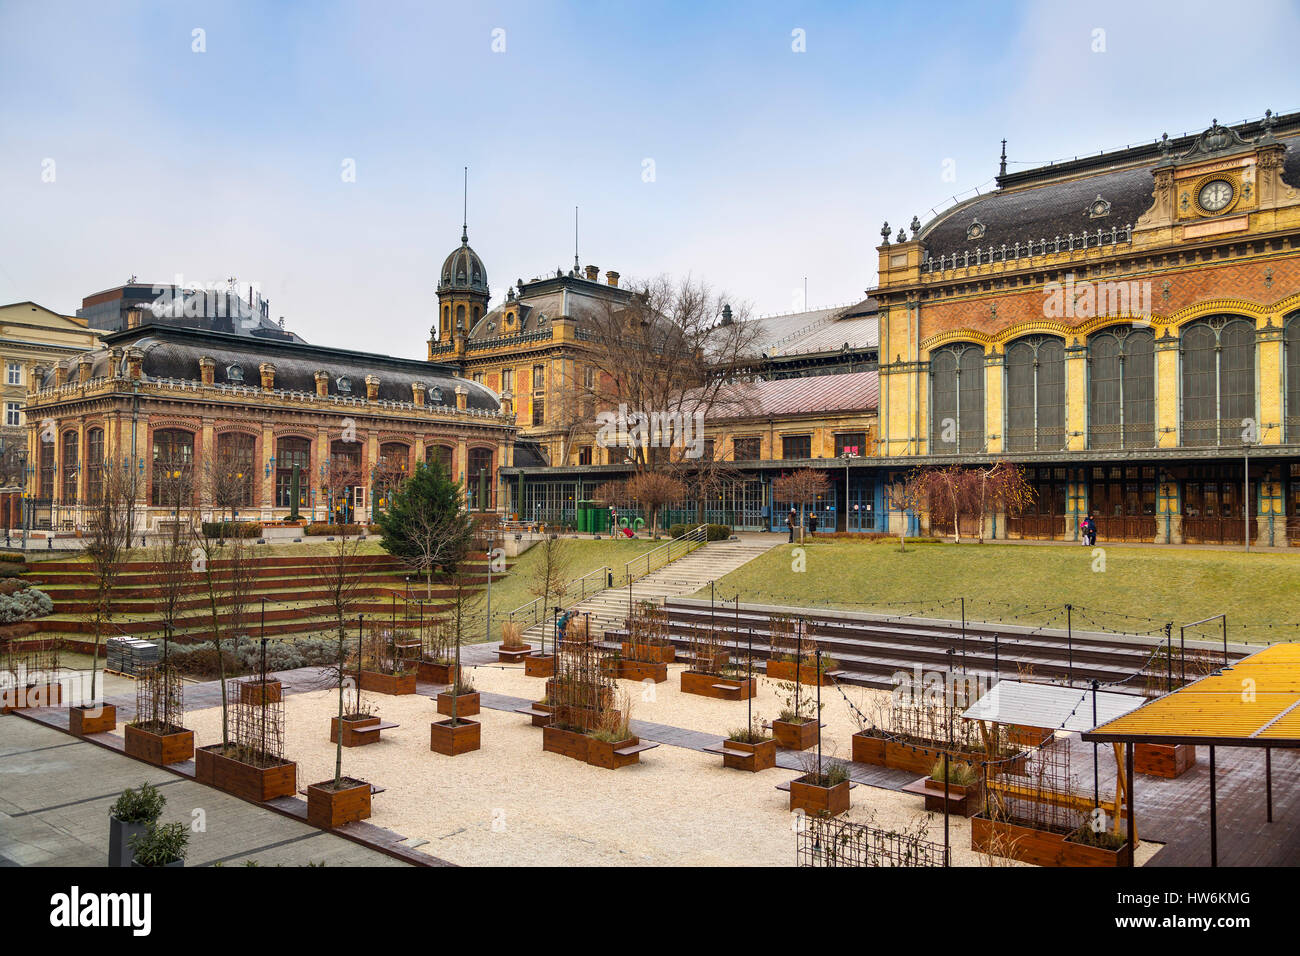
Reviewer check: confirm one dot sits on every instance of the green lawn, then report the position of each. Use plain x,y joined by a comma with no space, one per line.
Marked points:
1028,585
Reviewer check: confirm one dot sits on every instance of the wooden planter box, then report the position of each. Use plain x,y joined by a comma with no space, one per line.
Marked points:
716,661
785,670
811,798
604,754
1164,760
660,653
868,749
354,734
256,692
452,741
467,705
920,760
794,736
159,749
84,720
328,808
1028,736
752,757
512,655
568,743
606,695
535,665
1041,847
30,696
431,672
719,688
395,684
656,671
243,780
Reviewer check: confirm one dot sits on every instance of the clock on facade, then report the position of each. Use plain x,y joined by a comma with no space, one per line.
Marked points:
1215,195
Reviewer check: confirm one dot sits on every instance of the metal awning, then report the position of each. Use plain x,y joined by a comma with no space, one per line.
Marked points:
1050,706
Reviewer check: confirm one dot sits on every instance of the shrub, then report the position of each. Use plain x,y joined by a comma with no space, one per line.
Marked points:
748,735
960,773
717,532
12,557
160,845
23,605
351,530
232,529
144,805
200,660
1099,838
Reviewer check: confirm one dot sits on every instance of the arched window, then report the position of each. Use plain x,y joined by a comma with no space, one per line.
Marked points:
173,468
68,466
444,455
232,472
1218,365
460,317
94,464
1291,344
1121,389
291,451
956,399
1035,376
394,463
479,472
46,470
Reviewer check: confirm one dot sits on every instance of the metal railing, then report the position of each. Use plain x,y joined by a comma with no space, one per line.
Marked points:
535,610
668,552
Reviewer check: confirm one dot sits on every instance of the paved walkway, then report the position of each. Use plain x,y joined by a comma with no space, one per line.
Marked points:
56,791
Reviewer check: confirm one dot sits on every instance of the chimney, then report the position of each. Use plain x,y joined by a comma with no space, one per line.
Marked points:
133,318
207,369
60,374
611,277
114,360
417,394
372,387
593,273
507,402
462,394
268,375
84,366
322,383
134,360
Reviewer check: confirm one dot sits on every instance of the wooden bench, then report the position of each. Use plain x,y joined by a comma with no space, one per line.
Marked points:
958,802
636,749
540,717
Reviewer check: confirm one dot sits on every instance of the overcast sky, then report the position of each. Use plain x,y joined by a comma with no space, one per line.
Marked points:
696,137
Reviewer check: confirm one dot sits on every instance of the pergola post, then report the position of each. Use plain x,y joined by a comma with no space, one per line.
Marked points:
1214,815
1268,781
1128,793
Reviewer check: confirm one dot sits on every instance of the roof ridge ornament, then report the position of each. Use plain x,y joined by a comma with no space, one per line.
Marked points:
1216,139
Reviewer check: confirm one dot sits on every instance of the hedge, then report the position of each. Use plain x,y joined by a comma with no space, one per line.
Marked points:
322,527
232,529
713,532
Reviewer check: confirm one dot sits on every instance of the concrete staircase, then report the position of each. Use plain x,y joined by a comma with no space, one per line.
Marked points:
685,575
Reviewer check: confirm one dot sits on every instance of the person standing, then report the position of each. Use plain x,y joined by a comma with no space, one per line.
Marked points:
812,522
790,522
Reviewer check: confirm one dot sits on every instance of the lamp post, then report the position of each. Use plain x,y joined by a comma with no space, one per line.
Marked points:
1245,496
848,455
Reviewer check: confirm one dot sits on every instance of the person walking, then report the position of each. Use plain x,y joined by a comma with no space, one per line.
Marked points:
812,523
1088,527
790,522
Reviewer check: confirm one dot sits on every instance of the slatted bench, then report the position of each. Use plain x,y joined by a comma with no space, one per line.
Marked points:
540,717
636,749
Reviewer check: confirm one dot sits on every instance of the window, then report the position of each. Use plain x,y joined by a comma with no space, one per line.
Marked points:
94,464
539,377
478,378
746,449
854,443
1035,382
235,373
14,374
706,453
13,415
957,399
1121,389
584,455
68,493
344,385
507,380
394,461
173,465
796,446
1291,343
442,454
1218,362
290,451
46,470
233,484
539,410
589,378
479,473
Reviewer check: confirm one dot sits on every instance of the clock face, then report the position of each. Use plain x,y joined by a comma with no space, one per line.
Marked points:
1215,195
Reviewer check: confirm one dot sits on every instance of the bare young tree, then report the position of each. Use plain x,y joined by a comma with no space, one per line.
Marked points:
1001,487
174,483
108,541
652,490
801,487
550,576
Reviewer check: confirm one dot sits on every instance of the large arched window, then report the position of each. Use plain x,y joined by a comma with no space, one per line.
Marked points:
956,399
1035,376
1291,344
1121,389
1218,363
95,464
394,464
292,451
444,455
173,468
68,468
232,482
479,470
46,455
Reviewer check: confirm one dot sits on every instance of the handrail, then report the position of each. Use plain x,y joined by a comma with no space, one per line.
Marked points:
692,539
531,606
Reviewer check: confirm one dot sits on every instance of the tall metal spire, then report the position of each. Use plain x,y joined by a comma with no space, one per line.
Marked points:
464,225
1003,170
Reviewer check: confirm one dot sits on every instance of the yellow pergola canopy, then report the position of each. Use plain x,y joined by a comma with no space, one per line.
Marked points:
1253,703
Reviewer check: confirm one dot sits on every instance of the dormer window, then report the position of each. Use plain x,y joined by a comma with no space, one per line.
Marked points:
541,318
234,373
1098,208
975,230
492,326
343,384
435,394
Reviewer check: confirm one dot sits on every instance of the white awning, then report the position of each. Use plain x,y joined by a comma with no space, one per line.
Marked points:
1051,706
